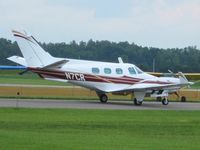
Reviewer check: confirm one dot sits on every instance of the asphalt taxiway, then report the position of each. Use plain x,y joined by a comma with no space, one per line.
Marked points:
94,104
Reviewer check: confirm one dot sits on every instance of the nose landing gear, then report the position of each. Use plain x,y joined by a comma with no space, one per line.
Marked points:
165,101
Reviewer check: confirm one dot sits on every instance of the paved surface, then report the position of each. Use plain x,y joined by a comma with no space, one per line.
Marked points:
94,104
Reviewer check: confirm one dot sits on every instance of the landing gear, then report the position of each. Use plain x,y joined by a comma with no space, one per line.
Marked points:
165,101
183,99
136,102
139,97
103,98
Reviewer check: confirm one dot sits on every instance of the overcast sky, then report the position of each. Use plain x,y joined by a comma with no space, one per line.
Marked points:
152,23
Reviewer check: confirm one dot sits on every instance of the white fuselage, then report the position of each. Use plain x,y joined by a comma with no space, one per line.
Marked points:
104,76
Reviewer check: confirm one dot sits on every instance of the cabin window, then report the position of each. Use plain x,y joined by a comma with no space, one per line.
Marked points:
107,70
131,70
95,70
139,71
119,71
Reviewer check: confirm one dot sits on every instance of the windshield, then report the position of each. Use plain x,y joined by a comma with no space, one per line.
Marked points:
139,71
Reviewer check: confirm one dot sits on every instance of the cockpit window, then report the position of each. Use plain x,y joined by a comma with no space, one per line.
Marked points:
131,70
95,70
139,71
119,71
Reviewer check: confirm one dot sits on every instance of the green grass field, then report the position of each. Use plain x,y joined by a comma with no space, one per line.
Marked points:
53,129
196,85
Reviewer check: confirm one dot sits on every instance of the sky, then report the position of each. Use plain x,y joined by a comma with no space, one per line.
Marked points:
151,23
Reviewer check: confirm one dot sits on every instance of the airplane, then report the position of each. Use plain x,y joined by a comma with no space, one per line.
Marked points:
102,77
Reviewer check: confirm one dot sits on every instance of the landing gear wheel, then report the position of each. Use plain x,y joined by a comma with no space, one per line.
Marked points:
165,101
103,98
183,99
136,102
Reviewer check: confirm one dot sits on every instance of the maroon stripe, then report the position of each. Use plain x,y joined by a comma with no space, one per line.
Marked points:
61,76
38,69
17,32
23,37
157,82
123,78
94,78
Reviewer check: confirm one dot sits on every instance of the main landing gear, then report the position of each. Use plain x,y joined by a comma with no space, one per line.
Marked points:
139,97
165,101
136,102
103,98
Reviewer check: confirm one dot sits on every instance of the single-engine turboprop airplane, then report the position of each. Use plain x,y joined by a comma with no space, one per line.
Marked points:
102,77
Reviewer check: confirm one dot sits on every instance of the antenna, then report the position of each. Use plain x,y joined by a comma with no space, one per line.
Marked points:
120,60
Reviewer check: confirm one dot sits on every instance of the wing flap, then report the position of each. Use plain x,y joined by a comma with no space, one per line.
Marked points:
147,86
144,87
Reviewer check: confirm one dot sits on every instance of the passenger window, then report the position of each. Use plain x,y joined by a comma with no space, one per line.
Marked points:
95,70
131,70
107,70
119,71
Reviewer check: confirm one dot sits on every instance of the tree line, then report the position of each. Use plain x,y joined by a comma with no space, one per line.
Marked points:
175,59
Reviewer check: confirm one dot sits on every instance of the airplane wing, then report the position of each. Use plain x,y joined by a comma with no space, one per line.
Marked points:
189,76
192,76
145,87
149,85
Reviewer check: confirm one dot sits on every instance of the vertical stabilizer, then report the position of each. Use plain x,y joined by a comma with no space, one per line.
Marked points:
33,53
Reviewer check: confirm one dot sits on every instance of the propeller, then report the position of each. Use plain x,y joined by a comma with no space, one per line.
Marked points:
170,71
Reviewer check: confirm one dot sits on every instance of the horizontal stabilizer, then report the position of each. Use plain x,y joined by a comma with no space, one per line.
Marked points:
18,60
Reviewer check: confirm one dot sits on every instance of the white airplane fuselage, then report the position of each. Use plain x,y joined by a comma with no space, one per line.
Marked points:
80,72
103,77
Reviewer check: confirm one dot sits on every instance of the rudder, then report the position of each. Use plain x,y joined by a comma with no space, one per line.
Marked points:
33,53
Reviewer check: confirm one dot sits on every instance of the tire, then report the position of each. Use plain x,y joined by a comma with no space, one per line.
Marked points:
103,98
183,99
137,103
165,101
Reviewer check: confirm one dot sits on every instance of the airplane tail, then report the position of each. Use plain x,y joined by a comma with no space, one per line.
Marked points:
34,54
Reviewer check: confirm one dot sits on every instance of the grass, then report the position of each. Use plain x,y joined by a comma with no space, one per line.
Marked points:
98,129
196,85
13,77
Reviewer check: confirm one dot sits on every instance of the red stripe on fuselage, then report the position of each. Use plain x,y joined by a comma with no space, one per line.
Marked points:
93,78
